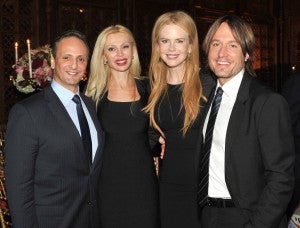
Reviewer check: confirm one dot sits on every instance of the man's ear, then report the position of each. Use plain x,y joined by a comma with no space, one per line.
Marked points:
246,57
52,62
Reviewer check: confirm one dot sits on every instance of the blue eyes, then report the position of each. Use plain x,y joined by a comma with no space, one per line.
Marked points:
166,41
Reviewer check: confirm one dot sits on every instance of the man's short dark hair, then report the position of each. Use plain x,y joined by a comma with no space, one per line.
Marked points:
70,33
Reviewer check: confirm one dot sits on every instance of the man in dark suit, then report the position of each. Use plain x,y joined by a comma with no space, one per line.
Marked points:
291,91
247,157
51,176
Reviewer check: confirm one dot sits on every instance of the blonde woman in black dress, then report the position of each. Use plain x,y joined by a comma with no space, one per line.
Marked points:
128,195
174,108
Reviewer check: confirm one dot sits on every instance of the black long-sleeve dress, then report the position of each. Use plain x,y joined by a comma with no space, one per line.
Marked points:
128,183
178,207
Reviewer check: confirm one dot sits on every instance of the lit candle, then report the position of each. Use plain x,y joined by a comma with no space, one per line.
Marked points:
29,58
16,52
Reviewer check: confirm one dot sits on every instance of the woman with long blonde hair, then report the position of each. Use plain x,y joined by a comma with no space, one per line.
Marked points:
128,183
174,108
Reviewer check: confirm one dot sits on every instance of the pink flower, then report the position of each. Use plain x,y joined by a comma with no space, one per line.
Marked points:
42,73
25,73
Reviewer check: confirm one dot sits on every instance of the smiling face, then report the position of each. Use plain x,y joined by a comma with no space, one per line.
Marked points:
70,62
118,51
174,45
225,56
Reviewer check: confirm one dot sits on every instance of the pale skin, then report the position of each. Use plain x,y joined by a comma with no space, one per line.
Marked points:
174,47
162,141
70,62
118,55
226,58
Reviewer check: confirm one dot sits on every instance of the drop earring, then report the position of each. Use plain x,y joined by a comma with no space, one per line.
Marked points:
84,77
188,56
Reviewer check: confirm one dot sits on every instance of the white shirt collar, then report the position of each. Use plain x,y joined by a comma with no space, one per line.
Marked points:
231,87
64,94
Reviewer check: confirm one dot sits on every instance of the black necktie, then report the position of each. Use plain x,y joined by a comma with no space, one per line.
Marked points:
204,164
84,128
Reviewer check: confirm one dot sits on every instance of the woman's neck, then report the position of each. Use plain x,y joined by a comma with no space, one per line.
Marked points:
175,75
122,80
122,87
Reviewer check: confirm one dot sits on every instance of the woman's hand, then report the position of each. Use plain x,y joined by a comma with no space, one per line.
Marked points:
162,141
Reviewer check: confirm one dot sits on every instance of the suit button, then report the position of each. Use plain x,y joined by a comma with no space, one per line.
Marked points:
89,203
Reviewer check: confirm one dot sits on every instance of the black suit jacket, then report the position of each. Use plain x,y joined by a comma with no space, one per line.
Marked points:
291,91
48,177
259,154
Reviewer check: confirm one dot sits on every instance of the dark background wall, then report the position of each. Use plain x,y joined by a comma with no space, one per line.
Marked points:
276,24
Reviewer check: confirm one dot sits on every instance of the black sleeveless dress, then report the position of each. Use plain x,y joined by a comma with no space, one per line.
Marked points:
128,183
177,172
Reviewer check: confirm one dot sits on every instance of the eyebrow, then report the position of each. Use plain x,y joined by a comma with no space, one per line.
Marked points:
230,41
174,39
129,42
71,55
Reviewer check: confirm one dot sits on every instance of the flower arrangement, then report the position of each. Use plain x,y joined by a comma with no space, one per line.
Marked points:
42,73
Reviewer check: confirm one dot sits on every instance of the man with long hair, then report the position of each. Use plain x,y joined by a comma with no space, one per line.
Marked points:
246,170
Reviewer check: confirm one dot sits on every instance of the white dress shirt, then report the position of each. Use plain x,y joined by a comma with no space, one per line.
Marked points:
217,186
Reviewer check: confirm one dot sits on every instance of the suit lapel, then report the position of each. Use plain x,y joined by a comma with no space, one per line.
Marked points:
63,119
203,114
100,133
237,115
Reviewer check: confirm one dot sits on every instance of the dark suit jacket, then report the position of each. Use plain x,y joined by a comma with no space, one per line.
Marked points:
49,180
291,91
259,155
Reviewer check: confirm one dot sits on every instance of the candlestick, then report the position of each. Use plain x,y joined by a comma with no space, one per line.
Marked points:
29,58
16,52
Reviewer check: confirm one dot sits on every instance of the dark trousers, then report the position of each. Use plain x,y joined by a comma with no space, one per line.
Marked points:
215,217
